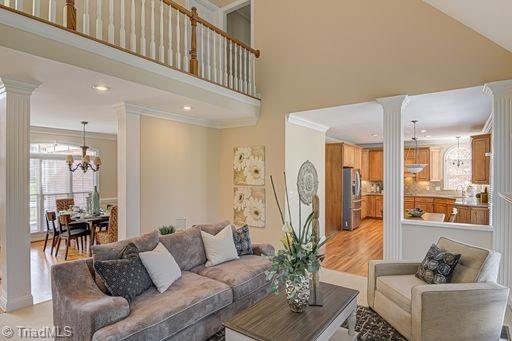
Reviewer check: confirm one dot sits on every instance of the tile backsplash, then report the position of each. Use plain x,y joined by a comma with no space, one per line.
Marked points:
412,187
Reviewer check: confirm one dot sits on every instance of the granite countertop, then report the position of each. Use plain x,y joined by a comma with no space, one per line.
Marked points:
474,202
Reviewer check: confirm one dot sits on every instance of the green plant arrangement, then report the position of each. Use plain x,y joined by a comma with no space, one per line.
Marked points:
293,265
167,229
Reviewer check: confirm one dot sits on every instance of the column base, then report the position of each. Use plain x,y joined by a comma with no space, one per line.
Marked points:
12,304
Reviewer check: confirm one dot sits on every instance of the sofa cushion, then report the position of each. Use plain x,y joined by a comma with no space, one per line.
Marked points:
243,275
186,246
472,263
156,316
213,229
398,289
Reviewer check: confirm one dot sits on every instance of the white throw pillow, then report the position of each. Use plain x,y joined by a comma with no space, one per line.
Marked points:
219,248
161,266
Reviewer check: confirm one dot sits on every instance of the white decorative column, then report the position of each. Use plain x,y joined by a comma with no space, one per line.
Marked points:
128,170
501,210
14,192
393,108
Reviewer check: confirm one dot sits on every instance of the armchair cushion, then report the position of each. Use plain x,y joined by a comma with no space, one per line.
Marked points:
398,289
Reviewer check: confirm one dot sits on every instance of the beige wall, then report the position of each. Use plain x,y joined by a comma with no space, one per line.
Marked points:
105,144
303,144
179,173
343,52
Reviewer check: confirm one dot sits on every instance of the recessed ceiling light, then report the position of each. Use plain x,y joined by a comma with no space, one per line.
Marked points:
100,87
427,136
187,107
423,130
375,135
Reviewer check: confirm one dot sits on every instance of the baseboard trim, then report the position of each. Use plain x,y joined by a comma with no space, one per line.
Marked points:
15,303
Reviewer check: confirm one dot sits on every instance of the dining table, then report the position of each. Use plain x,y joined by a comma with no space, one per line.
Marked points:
434,217
92,221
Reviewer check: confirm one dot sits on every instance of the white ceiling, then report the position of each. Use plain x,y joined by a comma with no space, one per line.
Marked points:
444,115
491,18
66,96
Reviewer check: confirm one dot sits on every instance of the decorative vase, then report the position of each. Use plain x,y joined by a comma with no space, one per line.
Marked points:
95,201
298,293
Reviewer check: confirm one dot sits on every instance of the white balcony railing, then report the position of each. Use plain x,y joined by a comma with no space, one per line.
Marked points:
159,30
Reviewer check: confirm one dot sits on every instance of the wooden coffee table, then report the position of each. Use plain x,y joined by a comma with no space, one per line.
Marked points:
272,319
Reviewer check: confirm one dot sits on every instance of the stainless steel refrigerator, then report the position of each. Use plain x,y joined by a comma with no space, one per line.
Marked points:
351,198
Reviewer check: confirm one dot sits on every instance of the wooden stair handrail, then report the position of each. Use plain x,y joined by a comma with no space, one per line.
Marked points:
190,14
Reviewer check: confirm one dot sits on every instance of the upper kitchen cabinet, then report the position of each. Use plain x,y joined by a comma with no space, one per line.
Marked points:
365,164
376,172
351,156
436,164
480,147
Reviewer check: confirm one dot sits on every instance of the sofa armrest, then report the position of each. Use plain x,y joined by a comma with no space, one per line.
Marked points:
263,249
458,311
79,304
377,268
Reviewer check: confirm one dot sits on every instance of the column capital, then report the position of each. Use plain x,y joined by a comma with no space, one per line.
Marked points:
393,103
499,88
18,86
128,108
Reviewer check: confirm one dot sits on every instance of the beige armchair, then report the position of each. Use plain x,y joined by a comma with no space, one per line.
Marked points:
471,307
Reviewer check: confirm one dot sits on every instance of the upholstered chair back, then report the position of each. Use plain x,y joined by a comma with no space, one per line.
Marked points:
476,264
63,204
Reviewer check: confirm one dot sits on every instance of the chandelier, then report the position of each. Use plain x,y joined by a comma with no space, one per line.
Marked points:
86,164
458,162
414,167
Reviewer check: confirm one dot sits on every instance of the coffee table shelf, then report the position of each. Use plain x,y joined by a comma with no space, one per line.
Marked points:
271,318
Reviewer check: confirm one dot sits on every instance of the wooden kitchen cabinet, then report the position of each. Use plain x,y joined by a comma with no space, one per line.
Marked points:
444,206
376,172
480,146
357,157
379,206
480,215
436,164
408,203
425,203
365,164
334,187
463,215
349,157
364,207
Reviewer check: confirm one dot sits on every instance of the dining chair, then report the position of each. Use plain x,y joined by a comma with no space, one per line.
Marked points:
70,234
64,204
51,228
110,235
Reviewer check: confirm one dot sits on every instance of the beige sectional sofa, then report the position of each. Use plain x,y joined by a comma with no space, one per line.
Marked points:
193,308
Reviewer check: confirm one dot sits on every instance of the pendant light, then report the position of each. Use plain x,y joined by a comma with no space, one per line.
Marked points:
86,163
458,162
415,167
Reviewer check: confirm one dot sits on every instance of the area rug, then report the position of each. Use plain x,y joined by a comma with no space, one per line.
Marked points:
369,325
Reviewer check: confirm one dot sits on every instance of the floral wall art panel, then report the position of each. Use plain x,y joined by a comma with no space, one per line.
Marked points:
249,166
249,206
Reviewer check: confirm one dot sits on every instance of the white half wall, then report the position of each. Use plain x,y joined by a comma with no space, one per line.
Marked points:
417,237
302,144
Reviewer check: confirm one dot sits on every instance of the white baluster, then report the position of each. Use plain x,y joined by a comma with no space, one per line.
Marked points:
111,36
225,51
18,5
36,8
221,61
249,75
52,10
7,3
178,45
86,18
231,73
186,56
122,31
240,69
161,50
203,71
253,58
133,35
171,50
208,66
99,20
214,56
152,45
236,68
246,84
143,28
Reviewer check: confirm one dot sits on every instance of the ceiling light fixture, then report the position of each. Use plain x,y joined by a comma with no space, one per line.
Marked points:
423,130
415,167
86,159
458,162
187,108
101,88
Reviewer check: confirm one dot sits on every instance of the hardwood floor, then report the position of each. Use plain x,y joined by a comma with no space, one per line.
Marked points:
40,265
350,251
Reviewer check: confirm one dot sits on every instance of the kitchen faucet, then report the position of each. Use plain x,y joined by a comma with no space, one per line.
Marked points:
462,190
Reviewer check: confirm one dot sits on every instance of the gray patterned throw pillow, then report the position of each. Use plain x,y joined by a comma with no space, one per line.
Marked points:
242,240
126,277
437,266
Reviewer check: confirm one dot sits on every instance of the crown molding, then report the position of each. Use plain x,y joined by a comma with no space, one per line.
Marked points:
71,133
292,118
18,86
489,124
136,109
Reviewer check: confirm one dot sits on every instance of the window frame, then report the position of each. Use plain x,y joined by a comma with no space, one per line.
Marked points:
446,164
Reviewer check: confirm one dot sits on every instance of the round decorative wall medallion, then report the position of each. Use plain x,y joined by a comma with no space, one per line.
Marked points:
307,182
